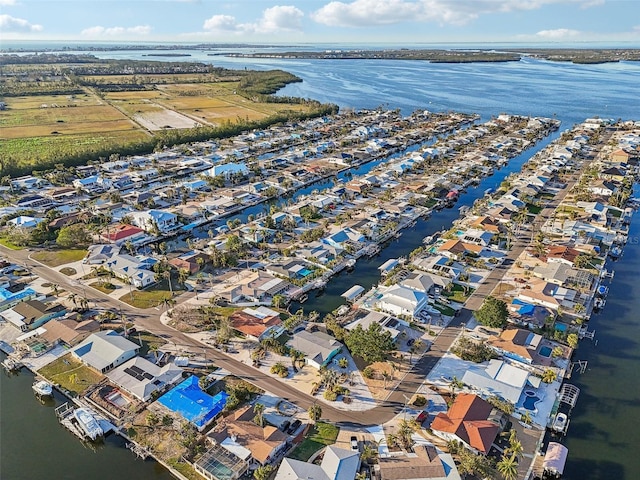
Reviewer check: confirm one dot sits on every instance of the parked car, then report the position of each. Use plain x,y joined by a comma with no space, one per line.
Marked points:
354,444
285,426
411,341
294,426
422,416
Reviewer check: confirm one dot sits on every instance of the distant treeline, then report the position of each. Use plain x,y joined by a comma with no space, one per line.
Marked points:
162,139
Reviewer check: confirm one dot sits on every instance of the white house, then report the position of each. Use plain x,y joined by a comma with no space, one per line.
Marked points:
165,221
337,464
105,350
141,378
25,221
227,169
93,183
400,300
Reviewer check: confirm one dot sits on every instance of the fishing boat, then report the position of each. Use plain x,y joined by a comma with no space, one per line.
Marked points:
11,364
88,423
560,423
42,388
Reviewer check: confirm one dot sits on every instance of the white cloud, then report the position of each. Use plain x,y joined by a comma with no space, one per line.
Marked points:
280,18
13,24
100,31
558,33
226,23
6,3
362,13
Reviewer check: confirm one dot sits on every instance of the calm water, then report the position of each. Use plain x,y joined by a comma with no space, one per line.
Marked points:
603,435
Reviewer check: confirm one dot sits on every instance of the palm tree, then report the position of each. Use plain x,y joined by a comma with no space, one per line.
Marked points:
73,297
406,428
386,376
315,412
167,274
329,378
258,409
55,288
526,418
508,467
263,472
368,453
549,376
455,384
183,275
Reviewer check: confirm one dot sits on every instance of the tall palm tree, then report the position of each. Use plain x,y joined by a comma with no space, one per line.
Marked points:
258,409
508,467
315,412
455,384
406,428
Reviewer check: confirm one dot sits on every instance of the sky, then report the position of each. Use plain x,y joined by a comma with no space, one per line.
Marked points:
322,21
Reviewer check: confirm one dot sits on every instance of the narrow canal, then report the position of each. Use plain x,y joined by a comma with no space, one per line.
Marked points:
33,445
366,271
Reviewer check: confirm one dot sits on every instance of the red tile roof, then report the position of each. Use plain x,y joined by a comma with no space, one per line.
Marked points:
120,232
467,419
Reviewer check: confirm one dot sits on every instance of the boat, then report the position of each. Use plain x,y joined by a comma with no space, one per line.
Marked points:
11,364
599,303
88,423
351,263
303,298
560,423
42,388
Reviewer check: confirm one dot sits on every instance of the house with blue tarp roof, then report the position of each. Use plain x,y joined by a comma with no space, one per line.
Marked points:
194,405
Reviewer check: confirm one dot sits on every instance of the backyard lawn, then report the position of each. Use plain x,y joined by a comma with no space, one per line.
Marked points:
321,435
70,374
55,258
457,293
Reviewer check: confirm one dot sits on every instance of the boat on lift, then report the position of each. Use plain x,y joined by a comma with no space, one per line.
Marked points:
88,423
42,388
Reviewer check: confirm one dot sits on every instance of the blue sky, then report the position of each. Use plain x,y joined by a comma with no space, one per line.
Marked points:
323,21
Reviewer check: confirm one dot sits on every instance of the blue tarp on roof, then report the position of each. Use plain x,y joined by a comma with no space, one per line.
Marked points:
192,403
6,295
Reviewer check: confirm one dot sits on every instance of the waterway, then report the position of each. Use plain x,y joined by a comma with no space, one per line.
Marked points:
603,436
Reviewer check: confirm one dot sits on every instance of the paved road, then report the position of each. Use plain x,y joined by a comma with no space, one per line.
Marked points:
149,320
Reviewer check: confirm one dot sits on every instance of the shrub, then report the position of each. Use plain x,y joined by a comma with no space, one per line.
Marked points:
280,369
329,395
368,372
420,401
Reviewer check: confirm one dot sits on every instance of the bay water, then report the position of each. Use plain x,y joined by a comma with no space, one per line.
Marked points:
603,437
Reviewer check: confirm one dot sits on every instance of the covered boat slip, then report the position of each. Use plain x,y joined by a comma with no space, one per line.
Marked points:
353,293
555,459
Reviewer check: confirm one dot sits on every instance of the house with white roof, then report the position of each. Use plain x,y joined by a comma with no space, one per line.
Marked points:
165,221
105,350
227,169
141,378
400,300
131,269
337,464
499,378
25,221
94,183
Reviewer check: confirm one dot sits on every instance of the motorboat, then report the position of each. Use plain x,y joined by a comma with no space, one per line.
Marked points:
560,423
42,388
88,423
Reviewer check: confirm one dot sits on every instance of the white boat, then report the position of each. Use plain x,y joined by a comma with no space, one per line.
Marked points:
560,423
88,423
43,388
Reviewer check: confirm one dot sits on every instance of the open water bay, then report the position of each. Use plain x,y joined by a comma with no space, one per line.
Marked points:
603,436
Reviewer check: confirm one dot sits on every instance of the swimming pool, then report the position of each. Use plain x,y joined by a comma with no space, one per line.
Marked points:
530,402
545,351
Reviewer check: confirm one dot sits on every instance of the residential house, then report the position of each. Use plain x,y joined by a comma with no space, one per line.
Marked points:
99,254
240,435
457,249
68,331
318,348
257,323
105,350
562,254
147,220
518,344
142,379
499,378
28,315
337,464
615,174
470,420
227,169
122,233
28,183
487,224
291,269
319,252
478,237
425,462
564,275
93,184
25,221
418,282
190,261
604,188
400,300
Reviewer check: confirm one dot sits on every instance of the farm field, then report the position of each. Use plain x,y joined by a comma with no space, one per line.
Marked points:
123,113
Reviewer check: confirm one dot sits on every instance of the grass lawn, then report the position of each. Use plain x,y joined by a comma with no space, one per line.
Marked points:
151,296
444,309
457,293
148,340
8,244
321,435
70,374
108,288
533,209
55,258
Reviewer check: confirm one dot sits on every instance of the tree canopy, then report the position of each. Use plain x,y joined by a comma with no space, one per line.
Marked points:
492,313
73,236
372,344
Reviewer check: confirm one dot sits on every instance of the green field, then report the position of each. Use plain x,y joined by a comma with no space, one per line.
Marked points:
55,258
70,374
